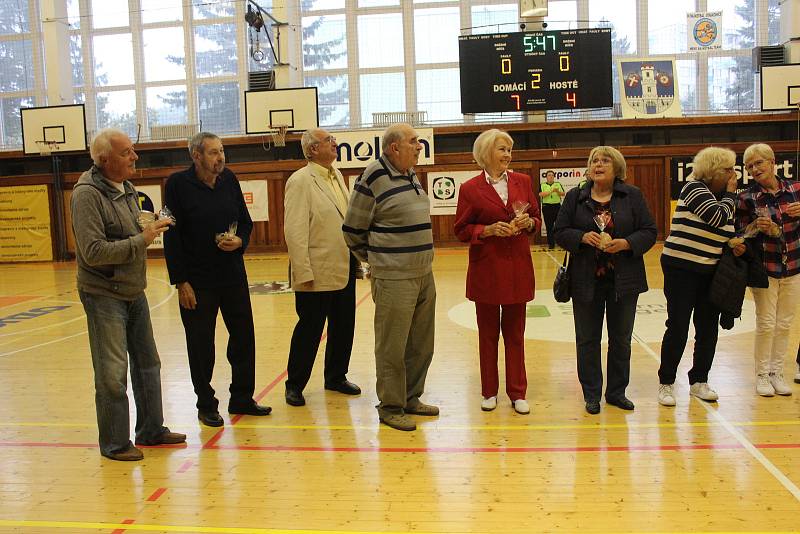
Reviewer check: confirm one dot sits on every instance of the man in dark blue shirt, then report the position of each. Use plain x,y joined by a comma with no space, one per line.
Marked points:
205,260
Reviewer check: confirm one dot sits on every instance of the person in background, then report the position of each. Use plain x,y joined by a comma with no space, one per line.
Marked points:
551,194
701,227
607,271
772,205
323,271
111,251
500,277
388,225
205,261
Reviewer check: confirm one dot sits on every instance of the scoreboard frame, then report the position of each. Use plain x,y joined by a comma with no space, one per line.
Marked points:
535,71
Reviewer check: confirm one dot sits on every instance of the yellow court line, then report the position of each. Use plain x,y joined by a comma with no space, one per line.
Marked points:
179,528
588,426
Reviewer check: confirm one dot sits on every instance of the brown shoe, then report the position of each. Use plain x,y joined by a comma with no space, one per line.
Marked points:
399,421
131,454
418,407
167,438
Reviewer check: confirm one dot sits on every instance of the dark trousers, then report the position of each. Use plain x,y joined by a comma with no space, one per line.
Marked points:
313,309
511,319
200,325
549,213
588,317
688,297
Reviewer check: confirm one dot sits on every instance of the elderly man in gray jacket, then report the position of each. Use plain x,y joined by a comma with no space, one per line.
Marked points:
111,252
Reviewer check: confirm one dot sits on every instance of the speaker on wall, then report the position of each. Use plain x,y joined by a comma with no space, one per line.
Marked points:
532,8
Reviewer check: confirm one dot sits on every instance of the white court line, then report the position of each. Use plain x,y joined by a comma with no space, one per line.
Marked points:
738,436
156,306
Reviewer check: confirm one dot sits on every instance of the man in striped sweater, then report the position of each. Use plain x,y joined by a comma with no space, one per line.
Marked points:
388,225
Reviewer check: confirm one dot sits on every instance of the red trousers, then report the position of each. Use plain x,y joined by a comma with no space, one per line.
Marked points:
512,324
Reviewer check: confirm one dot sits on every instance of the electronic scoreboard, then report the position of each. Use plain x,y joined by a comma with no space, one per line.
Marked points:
529,71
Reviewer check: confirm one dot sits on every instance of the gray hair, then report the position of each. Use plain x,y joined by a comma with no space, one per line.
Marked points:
394,134
308,140
758,150
616,157
100,148
711,162
197,140
485,143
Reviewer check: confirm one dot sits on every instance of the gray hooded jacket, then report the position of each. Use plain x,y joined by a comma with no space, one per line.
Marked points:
110,248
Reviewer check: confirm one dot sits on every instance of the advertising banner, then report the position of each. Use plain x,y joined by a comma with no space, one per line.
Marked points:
358,148
256,198
150,200
25,224
443,187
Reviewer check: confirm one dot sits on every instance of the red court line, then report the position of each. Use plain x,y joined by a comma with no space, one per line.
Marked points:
124,522
156,494
185,466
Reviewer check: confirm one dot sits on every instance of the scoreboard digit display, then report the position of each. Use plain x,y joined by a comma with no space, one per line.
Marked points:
530,71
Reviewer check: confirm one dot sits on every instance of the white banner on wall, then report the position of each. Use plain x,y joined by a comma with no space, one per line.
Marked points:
443,187
648,88
150,200
568,177
704,31
358,148
256,198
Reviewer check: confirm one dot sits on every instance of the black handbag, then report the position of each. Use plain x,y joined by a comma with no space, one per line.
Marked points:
561,281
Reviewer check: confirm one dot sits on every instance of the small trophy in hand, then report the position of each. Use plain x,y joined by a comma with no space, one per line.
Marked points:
222,236
146,218
165,213
601,220
519,207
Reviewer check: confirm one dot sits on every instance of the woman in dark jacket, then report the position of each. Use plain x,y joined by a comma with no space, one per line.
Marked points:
607,271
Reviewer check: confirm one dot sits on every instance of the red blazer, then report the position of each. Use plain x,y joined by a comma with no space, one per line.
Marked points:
500,269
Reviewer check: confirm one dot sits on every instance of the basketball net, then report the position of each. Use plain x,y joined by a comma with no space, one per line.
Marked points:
279,135
47,147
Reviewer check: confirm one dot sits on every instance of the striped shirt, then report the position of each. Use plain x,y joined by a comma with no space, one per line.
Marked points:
388,223
782,253
701,226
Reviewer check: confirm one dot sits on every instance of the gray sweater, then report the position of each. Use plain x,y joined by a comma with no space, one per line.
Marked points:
110,247
388,223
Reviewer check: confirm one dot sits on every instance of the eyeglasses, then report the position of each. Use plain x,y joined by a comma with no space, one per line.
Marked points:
601,161
330,139
757,163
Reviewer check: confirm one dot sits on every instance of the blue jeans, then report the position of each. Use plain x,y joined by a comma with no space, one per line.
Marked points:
118,329
619,316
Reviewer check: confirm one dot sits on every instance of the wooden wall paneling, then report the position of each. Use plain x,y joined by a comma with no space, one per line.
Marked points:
646,174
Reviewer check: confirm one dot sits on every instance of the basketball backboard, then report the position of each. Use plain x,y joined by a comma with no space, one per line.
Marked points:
53,129
780,87
295,108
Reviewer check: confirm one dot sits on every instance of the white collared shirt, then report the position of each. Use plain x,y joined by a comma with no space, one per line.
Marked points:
501,185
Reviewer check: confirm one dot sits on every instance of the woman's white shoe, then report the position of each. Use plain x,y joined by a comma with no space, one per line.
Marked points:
489,404
521,406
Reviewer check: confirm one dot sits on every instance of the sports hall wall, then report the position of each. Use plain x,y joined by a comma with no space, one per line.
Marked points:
649,148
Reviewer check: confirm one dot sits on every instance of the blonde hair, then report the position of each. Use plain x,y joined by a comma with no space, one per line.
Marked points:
485,143
617,161
758,150
711,162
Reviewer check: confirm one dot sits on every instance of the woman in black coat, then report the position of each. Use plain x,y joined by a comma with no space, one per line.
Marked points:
607,271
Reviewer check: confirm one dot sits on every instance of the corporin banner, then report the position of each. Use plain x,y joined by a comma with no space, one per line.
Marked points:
25,224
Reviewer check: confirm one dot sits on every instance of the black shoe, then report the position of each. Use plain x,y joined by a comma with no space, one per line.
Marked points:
345,386
593,407
622,402
210,418
250,409
294,398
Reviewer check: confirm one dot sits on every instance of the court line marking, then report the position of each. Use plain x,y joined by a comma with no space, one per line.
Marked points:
64,338
746,444
195,528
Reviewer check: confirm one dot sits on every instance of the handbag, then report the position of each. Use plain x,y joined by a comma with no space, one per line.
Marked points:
561,282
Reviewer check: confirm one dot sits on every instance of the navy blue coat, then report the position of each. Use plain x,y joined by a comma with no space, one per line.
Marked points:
632,221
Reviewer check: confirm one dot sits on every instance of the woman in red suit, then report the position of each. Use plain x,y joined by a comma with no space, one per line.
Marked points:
496,211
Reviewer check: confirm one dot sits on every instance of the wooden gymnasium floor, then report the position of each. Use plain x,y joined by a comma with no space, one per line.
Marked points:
329,466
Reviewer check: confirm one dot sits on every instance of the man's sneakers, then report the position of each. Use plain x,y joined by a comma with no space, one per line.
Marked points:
666,397
417,407
398,421
703,392
763,386
779,384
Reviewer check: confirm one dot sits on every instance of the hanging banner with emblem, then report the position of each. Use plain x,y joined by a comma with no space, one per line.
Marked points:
704,31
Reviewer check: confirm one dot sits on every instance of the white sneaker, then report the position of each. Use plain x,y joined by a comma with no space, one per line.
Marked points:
665,395
797,375
488,404
779,384
763,387
521,406
703,392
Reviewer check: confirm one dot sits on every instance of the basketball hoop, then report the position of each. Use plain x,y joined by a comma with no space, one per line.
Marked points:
47,147
279,134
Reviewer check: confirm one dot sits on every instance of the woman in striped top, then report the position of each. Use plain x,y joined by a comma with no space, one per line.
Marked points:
773,204
701,226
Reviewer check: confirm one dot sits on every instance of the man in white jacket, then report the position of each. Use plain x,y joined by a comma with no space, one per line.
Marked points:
322,269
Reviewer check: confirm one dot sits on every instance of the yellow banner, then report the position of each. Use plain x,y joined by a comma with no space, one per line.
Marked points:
25,224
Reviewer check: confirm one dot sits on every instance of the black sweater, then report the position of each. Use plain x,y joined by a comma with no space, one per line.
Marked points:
202,212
